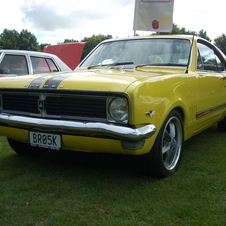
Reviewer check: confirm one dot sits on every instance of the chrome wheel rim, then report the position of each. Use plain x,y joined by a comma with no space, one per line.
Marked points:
172,143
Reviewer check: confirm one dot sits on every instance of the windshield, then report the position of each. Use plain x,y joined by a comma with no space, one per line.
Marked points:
154,51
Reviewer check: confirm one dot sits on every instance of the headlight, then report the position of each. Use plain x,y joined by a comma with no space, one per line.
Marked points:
118,110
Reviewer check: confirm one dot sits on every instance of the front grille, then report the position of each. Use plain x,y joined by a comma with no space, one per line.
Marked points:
21,103
76,106
55,106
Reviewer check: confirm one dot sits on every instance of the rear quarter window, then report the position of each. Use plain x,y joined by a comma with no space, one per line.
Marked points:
43,65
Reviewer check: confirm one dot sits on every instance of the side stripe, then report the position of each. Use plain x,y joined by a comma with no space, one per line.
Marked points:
210,111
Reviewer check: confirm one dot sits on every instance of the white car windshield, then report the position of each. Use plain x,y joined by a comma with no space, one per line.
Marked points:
154,51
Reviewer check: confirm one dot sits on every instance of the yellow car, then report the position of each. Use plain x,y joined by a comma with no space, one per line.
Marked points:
136,96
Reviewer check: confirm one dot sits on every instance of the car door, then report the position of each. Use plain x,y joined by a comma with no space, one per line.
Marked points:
211,96
13,64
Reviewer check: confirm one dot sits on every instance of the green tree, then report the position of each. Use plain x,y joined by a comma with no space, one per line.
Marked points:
41,46
220,42
67,41
9,39
27,41
177,30
1,43
70,40
12,39
203,34
93,41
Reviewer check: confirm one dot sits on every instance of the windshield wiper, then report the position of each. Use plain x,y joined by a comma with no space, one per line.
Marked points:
98,65
160,64
112,64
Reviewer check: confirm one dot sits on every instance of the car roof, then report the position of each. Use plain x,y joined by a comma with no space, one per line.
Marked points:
182,36
26,52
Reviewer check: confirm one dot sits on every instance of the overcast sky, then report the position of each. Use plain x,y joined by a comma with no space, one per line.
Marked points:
52,21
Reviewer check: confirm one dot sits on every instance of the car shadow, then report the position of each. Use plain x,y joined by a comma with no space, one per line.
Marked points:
105,166
76,163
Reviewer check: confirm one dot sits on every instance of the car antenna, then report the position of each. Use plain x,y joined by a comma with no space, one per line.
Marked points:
189,57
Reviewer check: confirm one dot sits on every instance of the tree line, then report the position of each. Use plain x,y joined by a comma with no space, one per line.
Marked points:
25,40
220,41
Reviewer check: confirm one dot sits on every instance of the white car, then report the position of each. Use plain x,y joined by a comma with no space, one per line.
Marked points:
22,62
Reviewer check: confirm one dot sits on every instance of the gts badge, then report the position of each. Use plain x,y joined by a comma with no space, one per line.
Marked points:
41,105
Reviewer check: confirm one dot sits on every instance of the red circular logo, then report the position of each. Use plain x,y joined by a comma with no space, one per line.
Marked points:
155,24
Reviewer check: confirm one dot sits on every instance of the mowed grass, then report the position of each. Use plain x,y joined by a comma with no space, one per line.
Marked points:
64,188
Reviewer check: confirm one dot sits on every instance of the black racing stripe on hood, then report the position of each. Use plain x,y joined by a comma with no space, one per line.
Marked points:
37,82
54,82
51,83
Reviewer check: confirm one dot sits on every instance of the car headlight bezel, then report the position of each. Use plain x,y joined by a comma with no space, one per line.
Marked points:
118,110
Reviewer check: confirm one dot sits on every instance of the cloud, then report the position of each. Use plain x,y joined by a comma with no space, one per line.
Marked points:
50,16
43,18
53,21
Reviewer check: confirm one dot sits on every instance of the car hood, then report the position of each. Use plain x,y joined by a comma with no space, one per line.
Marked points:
103,79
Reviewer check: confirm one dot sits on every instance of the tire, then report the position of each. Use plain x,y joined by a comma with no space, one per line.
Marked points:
222,125
22,148
165,155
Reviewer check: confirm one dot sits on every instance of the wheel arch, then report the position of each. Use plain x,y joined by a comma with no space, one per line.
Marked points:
181,112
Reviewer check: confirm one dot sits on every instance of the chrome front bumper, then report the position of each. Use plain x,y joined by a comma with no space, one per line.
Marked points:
83,128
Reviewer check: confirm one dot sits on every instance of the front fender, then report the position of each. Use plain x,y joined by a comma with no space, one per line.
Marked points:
153,100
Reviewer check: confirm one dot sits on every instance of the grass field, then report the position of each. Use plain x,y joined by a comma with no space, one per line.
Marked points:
58,188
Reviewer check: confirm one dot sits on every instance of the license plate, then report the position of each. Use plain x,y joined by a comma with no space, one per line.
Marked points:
45,140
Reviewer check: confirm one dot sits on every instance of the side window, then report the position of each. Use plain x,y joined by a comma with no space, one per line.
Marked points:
52,65
14,64
207,59
42,65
